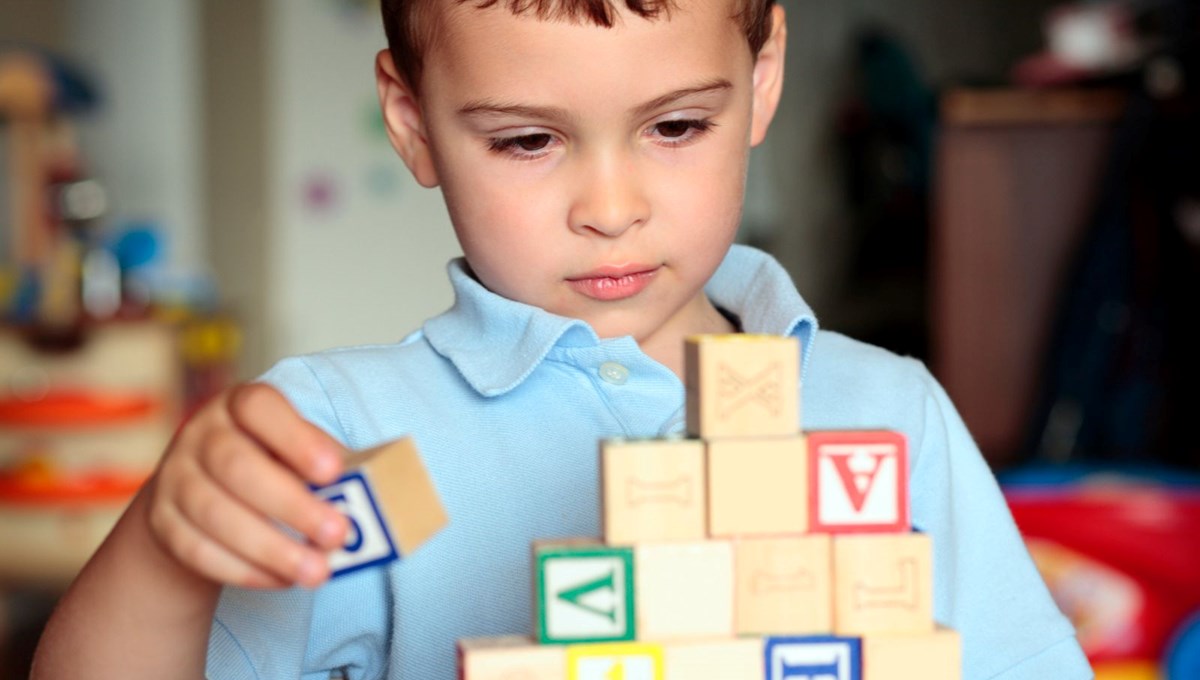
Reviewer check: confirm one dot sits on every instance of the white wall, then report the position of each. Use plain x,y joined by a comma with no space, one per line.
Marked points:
370,266
144,141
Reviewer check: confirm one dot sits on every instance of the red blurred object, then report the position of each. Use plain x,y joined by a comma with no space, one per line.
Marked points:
1122,561
76,408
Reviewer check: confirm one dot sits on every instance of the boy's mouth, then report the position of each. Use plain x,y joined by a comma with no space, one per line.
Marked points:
614,283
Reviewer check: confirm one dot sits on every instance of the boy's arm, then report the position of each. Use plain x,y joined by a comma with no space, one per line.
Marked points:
134,611
209,516
987,586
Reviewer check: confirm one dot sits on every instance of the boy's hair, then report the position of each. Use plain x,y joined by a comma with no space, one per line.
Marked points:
409,25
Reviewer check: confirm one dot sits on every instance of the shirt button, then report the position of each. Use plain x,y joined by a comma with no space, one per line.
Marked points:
614,373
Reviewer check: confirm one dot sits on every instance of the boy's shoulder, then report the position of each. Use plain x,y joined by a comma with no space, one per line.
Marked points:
850,383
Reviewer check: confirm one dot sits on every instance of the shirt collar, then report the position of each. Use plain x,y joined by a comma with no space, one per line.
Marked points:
495,343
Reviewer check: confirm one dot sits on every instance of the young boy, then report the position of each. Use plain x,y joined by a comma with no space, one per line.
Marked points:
593,157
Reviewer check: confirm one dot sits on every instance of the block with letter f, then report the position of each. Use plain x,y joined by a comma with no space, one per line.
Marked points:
858,481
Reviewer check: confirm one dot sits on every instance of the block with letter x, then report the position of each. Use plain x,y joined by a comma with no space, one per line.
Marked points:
584,592
819,657
859,481
742,385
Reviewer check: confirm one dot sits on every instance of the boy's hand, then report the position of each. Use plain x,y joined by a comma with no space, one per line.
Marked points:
236,471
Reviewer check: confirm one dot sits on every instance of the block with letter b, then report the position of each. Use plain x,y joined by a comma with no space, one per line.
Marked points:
368,542
391,503
742,385
819,657
653,490
859,481
584,592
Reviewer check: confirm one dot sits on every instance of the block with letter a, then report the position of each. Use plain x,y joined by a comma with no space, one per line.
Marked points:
858,481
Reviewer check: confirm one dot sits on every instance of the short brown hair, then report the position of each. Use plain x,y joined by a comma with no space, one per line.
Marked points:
409,29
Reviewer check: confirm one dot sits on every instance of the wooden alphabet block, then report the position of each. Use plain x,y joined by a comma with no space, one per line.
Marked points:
742,385
653,490
883,583
510,658
391,503
784,585
757,486
623,661
584,592
859,481
729,659
913,656
814,657
684,590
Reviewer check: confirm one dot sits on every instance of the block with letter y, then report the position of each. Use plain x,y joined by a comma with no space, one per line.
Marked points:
858,481
584,592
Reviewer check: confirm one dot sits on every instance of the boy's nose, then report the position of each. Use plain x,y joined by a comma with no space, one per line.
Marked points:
610,199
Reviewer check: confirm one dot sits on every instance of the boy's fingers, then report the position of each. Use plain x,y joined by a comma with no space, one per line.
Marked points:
207,557
249,536
240,467
265,414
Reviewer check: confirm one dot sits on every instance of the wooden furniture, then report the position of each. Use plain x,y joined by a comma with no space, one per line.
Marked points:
1017,173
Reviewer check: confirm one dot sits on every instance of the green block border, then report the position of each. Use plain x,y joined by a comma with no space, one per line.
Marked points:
542,555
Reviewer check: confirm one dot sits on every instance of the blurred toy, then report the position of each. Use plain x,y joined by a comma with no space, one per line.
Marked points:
1120,556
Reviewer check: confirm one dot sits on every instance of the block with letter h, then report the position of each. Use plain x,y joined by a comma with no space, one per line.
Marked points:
391,504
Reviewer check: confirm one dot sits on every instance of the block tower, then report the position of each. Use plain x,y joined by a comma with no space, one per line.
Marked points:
748,551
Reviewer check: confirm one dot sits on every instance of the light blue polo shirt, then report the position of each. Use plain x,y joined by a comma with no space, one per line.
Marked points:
507,402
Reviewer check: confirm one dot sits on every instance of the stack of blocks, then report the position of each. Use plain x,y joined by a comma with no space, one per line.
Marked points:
748,551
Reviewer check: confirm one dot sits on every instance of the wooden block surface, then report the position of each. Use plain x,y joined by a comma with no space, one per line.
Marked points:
408,498
653,490
883,583
584,592
913,656
816,657
859,481
730,659
615,661
784,585
684,590
757,486
510,658
741,385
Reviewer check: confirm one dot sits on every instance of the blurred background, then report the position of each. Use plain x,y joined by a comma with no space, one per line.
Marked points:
1006,189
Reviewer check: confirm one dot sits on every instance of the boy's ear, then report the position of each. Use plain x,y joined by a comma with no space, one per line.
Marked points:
768,76
402,118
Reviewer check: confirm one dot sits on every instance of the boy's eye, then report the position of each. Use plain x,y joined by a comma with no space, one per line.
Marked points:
676,132
521,145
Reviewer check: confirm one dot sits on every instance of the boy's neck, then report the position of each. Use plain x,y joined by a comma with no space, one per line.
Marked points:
667,347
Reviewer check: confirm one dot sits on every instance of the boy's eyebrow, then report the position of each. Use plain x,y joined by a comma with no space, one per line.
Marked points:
486,107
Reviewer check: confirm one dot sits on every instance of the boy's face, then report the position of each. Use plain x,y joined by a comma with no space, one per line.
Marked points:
597,173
